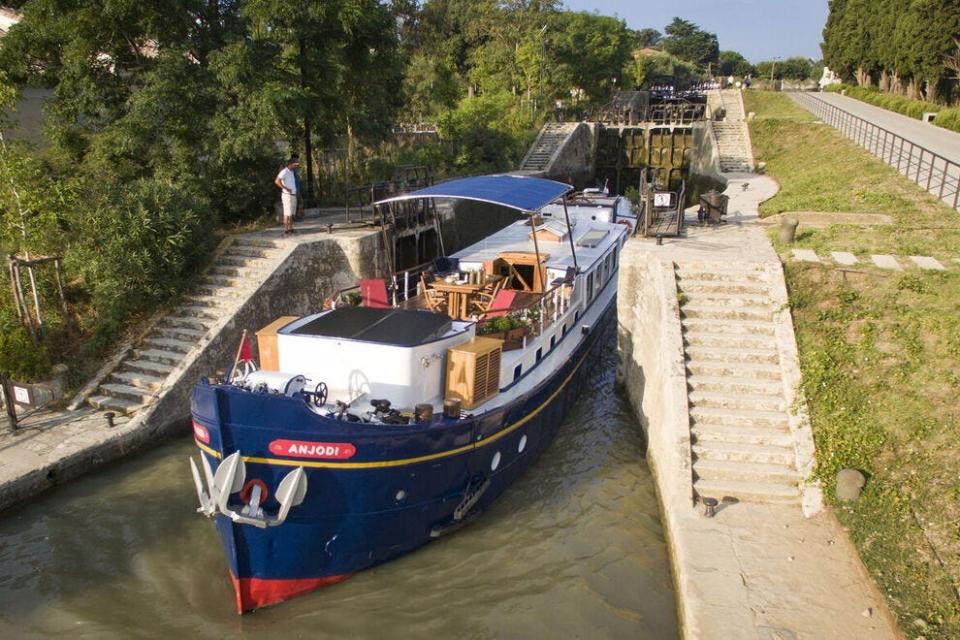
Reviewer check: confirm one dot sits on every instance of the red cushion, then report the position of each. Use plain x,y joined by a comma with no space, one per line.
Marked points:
501,303
374,293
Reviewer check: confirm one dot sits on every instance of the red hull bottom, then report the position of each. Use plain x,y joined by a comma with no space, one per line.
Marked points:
254,593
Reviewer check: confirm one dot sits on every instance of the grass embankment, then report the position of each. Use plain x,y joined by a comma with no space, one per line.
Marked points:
880,354
947,117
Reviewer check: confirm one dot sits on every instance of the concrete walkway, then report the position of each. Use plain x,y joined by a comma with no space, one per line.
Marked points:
753,571
937,139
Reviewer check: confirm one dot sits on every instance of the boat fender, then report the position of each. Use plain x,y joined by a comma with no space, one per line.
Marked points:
248,487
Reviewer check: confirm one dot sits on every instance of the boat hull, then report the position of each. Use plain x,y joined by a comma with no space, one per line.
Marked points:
399,488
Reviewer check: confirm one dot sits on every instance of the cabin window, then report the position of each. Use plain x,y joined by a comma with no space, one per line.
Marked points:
553,342
517,372
576,316
614,256
539,354
589,289
564,332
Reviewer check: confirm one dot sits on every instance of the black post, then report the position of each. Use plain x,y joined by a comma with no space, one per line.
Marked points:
8,400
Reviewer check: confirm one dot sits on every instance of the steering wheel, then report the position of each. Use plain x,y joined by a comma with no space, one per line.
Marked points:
320,394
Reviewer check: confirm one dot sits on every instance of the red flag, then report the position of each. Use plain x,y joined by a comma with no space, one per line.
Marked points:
246,351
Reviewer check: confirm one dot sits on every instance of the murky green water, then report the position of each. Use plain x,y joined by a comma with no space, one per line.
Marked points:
573,550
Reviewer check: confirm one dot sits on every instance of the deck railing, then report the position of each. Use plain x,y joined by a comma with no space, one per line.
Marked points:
931,171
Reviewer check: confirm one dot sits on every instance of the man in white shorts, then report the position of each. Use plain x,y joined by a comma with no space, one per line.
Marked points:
286,181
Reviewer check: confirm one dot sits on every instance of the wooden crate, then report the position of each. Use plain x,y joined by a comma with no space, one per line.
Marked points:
473,371
267,343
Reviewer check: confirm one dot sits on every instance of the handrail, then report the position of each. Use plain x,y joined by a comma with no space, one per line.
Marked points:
892,148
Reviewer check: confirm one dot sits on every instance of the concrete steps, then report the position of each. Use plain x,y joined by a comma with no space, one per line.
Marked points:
733,136
241,265
551,138
742,445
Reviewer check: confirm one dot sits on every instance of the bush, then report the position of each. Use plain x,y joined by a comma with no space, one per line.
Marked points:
18,355
139,244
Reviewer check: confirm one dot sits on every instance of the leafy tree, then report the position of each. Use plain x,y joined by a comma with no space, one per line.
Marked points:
642,70
687,41
647,38
590,53
732,63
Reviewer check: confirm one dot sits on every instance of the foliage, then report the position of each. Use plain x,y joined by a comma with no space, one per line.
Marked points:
899,45
689,42
645,69
796,68
591,51
647,38
486,132
732,63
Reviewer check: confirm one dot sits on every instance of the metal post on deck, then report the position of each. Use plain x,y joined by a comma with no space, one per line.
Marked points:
573,251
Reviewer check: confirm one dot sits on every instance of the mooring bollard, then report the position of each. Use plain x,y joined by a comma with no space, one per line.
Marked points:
709,507
109,415
788,229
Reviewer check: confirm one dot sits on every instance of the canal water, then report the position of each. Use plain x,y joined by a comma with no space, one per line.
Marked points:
574,550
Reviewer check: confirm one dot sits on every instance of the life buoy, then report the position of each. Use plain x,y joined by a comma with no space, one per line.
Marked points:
248,488
627,223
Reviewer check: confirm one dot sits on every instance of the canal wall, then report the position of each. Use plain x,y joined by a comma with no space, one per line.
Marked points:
54,447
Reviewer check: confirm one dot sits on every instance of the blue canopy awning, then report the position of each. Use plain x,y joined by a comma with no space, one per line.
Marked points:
517,192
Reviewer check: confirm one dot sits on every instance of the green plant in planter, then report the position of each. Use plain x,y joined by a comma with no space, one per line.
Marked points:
353,299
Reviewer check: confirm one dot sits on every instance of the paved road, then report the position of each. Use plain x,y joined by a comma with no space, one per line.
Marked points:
925,153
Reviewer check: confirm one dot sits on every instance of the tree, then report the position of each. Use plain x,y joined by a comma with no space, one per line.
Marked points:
647,38
732,63
689,42
590,53
645,68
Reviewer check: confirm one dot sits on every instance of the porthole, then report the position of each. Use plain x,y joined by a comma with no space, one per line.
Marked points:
522,444
401,495
495,462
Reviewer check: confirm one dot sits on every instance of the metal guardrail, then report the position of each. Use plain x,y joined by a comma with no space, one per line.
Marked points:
931,171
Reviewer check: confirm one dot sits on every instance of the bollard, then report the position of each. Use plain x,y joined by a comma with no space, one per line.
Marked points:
109,415
788,229
659,239
709,507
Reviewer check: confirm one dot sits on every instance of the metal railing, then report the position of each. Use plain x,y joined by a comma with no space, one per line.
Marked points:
931,171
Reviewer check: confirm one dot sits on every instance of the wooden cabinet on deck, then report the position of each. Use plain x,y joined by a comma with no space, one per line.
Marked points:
473,371
267,343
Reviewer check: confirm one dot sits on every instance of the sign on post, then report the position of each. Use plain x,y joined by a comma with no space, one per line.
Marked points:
662,199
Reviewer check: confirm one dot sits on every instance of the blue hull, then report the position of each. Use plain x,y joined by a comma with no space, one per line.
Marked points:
394,494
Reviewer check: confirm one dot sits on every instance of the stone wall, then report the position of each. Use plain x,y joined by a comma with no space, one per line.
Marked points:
706,156
575,160
651,367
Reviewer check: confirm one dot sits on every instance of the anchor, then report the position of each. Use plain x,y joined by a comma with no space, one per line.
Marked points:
214,494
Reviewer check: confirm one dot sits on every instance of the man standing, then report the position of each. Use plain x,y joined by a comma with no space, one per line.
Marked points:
286,181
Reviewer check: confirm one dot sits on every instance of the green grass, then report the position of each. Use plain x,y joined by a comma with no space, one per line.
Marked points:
880,355
820,170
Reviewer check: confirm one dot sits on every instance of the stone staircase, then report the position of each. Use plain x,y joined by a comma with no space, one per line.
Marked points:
742,443
141,373
733,136
549,140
